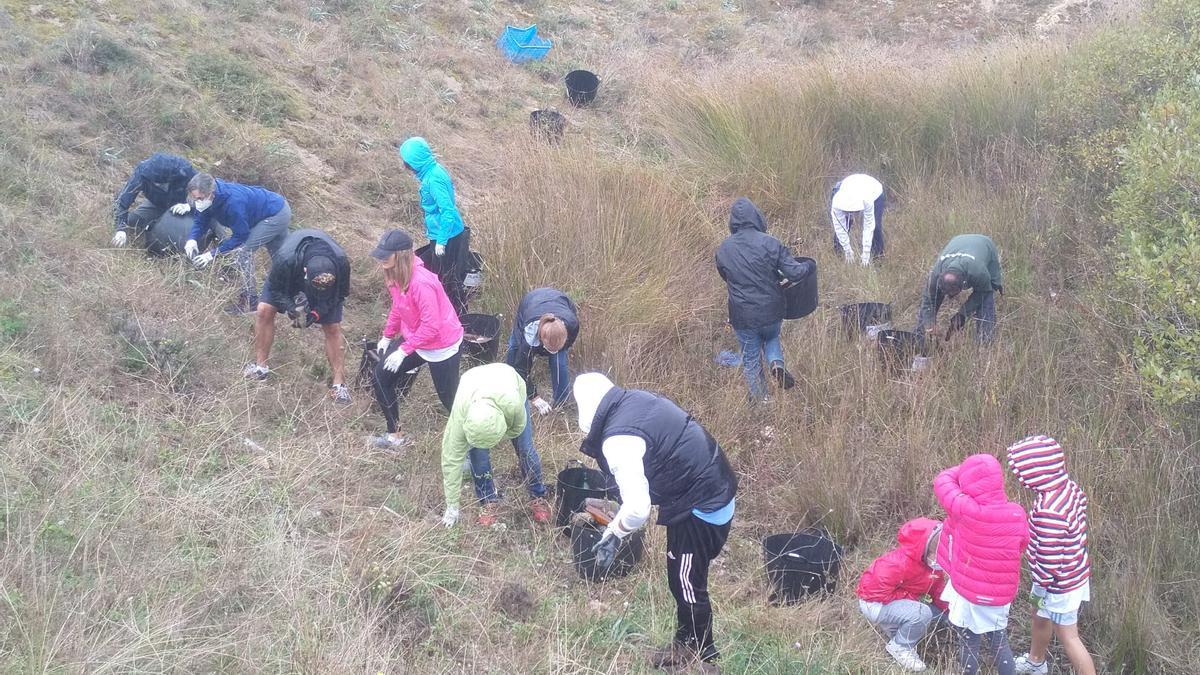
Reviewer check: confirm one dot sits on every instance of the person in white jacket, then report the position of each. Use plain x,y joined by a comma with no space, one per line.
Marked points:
858,193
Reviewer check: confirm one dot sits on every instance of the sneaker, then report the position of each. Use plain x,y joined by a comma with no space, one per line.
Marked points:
1025,665
340,393
253,371
782,376
490,514
389,442
540,508
907,657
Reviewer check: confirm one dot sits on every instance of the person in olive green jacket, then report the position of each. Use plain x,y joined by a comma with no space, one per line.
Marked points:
968,261
489,407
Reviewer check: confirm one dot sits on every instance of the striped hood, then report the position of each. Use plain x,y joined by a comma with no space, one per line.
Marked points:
1039,463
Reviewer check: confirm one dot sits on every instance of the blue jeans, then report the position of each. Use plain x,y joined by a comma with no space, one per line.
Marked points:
985,318
522,361
757,344
527,458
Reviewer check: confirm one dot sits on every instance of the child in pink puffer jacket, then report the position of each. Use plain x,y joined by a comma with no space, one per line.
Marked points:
983,539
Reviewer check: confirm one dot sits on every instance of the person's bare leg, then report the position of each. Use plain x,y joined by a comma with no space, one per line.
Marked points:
334,351
1077,653
264,332
1040,635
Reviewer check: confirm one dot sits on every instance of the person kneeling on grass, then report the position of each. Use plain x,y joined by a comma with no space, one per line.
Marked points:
490,406
162,180
900,593
658,454
310,281
431,334
1058,553
546,324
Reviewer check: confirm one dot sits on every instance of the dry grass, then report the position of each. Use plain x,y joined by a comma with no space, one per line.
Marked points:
141,533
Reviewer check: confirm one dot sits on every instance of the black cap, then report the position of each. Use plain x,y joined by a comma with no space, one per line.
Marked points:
320,273
391,242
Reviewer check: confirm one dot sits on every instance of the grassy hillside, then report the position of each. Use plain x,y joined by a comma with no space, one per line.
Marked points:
141,532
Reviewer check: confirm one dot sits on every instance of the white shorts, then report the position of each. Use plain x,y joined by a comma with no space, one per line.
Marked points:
1062,608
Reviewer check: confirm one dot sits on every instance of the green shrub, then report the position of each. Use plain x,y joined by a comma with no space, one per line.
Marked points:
1157,210
241,89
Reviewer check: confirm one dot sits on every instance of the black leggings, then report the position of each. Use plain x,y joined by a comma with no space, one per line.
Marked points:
391,387
969,647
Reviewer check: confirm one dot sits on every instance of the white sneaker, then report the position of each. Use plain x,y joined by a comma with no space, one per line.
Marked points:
253,371
907,657
1024,665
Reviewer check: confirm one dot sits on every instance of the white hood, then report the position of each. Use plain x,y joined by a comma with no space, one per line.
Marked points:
590,389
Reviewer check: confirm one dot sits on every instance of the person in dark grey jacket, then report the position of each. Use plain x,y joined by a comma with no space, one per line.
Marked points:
753,263
161,180
546,324
309,281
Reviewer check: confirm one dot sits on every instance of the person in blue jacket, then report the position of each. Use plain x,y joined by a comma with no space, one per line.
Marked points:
162,180
256,217
443,223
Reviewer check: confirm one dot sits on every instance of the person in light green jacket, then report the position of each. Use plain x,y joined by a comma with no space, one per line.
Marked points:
490,407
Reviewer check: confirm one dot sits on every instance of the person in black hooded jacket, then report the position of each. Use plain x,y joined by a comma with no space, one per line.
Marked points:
162,180
659,454
753,263
309,281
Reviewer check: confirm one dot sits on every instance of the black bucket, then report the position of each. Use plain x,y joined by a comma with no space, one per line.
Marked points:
367,365
169,234
801,564
584,537
479,336
897,349
576,484
581,87
801,298
865,317
547,125
473,280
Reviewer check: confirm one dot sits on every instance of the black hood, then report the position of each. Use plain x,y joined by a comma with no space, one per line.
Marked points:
746,215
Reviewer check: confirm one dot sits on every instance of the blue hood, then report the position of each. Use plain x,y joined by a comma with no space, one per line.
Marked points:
416,153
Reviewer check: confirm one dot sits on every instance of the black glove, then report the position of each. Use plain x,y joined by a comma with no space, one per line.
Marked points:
605,551
957,322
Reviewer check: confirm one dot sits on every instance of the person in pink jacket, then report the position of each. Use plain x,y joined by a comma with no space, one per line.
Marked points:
429,331
983,538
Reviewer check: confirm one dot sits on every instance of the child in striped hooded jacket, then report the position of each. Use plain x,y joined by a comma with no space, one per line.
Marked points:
1058,552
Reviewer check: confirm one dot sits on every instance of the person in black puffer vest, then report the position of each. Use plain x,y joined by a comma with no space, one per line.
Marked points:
659,455
753,263
546,324
309,281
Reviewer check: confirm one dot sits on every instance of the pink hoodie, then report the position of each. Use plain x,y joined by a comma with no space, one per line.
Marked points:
423,314
984,534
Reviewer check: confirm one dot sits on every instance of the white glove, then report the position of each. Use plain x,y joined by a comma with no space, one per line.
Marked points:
439,250
450,517
180,209
191,248
201,261
392,363
120,238
540,405
382,345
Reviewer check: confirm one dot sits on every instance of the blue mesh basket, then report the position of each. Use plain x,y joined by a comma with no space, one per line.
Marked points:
522,44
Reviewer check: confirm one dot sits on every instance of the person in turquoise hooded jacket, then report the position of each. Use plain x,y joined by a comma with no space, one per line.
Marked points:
443,223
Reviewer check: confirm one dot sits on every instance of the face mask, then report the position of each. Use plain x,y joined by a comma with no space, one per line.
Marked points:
202,204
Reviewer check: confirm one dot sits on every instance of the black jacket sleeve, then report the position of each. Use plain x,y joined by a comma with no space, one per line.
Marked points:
125,198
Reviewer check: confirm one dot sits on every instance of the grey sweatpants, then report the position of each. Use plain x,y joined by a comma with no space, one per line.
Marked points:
904,621
267,233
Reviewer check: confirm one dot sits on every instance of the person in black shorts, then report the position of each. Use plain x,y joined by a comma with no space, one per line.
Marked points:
309,281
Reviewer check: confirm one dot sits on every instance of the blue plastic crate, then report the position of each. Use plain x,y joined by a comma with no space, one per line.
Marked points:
523,44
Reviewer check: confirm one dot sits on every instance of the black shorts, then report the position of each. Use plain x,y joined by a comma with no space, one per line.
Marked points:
283,304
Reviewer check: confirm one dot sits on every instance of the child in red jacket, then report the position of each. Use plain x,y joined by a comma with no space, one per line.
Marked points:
1058,553
900,592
